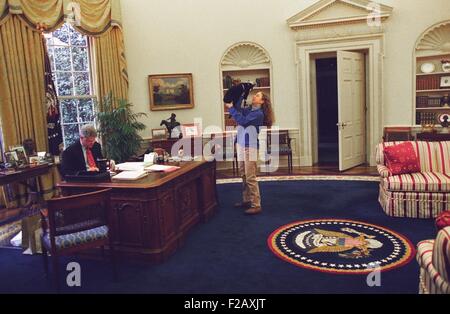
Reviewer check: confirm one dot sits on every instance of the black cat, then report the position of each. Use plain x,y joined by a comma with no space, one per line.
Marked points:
235,92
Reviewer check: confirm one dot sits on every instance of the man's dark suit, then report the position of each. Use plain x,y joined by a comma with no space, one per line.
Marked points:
73,158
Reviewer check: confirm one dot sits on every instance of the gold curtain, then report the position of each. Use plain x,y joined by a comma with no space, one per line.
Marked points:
110,65
22,93
91,17
2,9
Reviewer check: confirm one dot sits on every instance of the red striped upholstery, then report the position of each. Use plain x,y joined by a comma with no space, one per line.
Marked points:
443,157
433,257
418,182
420,195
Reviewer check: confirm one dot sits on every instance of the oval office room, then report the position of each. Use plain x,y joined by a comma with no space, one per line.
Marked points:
190,148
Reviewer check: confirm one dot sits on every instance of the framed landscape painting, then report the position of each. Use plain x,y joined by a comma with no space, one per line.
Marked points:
171,91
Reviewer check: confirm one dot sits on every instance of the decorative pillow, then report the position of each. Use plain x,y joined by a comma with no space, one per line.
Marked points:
401,159
443,220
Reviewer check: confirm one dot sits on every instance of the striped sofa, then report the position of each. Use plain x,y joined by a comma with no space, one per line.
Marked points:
418,195
433,257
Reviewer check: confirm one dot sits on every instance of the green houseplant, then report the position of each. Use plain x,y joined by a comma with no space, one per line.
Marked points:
119,129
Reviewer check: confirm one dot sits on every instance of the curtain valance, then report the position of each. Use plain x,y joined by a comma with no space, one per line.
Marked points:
91,17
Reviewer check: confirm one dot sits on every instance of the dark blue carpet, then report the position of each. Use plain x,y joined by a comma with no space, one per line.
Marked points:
229,254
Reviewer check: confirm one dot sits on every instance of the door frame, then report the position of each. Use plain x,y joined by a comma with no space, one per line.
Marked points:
305,51
315,120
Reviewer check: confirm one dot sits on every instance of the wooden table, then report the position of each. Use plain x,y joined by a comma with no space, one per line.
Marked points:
30,212
151,216
21,176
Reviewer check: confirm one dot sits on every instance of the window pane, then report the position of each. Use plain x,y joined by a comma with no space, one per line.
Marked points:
86,109
80,59
65,83
71,134
69,111
61,36
76,38
62,59
49,39
51,57
82,86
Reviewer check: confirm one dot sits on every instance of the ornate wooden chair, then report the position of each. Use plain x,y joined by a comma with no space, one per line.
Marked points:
75,223
282,148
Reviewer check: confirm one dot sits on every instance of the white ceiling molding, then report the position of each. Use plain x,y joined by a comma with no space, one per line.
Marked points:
435,40
245,55
327,12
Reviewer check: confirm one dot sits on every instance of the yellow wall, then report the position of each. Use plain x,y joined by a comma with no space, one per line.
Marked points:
190,36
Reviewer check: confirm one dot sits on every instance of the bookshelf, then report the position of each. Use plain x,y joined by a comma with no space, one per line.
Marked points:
241,63
429,91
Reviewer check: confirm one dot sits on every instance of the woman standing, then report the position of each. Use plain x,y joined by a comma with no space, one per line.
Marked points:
249,121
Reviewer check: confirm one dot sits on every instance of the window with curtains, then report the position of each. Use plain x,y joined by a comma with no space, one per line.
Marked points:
71,68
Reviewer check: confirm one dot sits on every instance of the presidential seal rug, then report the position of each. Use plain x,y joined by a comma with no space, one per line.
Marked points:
341,246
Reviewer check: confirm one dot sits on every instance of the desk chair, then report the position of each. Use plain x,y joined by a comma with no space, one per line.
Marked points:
75,223
283,147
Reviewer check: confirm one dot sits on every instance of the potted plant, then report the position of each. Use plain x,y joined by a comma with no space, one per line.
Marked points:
119,129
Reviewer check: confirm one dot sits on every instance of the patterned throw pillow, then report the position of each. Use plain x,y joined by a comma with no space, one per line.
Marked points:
443,220
401,159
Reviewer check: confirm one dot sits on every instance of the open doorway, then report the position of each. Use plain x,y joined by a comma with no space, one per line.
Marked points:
339,101
327,112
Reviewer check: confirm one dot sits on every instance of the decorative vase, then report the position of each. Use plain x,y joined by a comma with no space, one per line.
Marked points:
445,65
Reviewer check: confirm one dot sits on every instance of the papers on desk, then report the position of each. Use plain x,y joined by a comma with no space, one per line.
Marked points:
130,175
130,166
162,168
137,167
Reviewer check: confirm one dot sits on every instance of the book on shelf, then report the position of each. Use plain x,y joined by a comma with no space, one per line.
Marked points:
434,101
421,101
428,82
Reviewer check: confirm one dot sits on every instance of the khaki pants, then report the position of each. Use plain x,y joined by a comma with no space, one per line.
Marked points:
247,158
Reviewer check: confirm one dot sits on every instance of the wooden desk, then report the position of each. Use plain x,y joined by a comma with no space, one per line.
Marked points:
433,137
152,216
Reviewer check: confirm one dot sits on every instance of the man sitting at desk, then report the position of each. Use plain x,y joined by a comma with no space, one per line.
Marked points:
83,155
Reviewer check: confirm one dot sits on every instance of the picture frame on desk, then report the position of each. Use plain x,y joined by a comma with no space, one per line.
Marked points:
21,154
171,91
159,134
190,130
34,160
11,158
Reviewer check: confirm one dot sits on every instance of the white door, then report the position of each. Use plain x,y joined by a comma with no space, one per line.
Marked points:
351,103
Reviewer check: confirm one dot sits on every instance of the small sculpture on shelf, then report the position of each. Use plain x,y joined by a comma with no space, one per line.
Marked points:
171,124
443,118
428,121
445,101
445,65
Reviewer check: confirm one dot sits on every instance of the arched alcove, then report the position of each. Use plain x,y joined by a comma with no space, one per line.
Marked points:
431,49
243,62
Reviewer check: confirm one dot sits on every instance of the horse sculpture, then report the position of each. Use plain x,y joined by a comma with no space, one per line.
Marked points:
170,124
